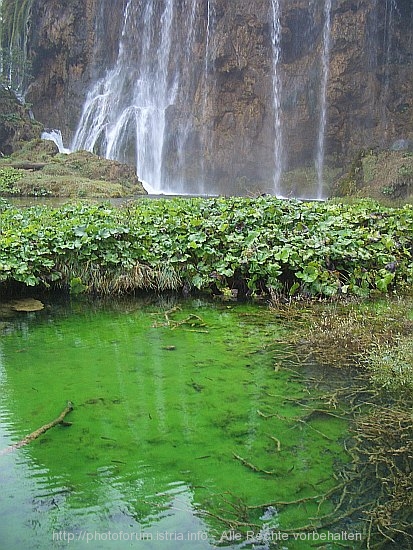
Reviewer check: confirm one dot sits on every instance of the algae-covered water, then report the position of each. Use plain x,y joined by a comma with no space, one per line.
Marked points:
184,413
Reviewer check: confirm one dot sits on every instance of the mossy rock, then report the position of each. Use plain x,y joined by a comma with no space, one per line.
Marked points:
381,175
35,150
16,124
46,172
90,166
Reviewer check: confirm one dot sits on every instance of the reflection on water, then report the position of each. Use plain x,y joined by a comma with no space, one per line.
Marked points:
168,420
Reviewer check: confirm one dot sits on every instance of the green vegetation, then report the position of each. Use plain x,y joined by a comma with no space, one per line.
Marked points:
16,124
284,249
254,246
383,175
9,177
392,367
45,172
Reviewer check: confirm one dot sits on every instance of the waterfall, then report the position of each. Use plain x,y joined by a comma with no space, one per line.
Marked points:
14,66
124,116
276,86
325,62
56,137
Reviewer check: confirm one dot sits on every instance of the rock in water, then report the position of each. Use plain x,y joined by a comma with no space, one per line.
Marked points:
27,304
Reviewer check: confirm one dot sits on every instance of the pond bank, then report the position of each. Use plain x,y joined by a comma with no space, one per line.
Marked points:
375,339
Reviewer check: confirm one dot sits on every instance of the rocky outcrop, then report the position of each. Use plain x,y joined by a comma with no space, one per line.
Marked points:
16,125
230,114
68,49
370,90
44,172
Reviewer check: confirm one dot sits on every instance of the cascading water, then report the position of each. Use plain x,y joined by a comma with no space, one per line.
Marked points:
198,106
222,97
276,85
56,137
14,66
124,115
325,64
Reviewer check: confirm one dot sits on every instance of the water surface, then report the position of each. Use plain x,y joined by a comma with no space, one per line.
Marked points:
178,418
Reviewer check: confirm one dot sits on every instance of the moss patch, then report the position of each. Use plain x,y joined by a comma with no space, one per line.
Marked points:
45,172
382,175
16,125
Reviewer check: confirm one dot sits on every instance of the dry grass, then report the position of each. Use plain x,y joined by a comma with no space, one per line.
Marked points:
97,279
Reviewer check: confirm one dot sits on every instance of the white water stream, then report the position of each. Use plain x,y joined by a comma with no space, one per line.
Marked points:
124,115
276,84
325,64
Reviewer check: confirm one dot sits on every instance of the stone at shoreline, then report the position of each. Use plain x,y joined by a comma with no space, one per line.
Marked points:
26,304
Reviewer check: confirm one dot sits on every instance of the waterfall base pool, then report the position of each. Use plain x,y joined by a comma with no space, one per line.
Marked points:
189,419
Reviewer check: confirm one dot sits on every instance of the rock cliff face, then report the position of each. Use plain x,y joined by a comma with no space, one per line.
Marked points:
228,107
70,44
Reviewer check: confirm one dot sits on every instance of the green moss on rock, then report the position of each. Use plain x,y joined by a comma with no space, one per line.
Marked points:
16,124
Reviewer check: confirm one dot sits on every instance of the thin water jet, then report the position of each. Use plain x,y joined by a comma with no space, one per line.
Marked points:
207,137
390,11
277,91
325,64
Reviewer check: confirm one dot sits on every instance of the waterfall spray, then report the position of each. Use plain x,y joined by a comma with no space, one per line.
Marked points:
325,62
56,136
184,129
276,86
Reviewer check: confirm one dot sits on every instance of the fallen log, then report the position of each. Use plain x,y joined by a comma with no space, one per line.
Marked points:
34,435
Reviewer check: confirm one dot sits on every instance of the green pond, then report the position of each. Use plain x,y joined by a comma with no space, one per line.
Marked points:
184,412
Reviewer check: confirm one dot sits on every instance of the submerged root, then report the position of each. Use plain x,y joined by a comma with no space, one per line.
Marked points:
374,490
384,446
252,466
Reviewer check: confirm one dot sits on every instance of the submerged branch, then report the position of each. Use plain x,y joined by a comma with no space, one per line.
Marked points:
252,467
34,435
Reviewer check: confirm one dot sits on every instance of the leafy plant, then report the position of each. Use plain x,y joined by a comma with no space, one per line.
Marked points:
254,246
405,171
9,177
